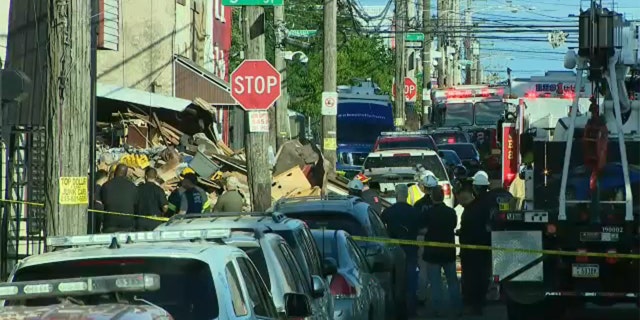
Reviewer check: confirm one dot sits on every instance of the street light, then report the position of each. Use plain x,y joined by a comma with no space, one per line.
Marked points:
291,55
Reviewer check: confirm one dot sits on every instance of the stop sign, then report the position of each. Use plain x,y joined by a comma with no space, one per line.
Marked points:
255,85
410,89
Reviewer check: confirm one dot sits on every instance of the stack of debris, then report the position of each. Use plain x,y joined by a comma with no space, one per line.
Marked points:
141,140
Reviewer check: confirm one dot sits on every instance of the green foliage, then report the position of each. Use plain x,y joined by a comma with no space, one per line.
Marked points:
359,56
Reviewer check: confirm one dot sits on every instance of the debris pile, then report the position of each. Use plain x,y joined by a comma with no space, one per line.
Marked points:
142,140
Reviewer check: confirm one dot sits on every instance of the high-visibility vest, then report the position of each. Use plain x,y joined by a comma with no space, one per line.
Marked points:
415,194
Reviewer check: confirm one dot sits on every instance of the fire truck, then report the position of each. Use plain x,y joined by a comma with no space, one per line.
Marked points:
581,228
475,109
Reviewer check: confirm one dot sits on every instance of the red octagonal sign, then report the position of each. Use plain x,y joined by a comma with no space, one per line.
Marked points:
255,85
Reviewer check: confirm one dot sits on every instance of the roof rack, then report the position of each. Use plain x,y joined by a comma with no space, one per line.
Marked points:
115,239
276,216
403,133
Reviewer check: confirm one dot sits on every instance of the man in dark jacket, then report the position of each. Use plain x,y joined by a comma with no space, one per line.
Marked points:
440,223
369,195
151,201
119,195
476,264
402,222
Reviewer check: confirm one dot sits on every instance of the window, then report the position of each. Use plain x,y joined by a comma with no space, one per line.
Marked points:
257,256
237,299
357,255
297,247
312,251
108,25
463,150
187,289
406,143
286,268
331,221
262,303
377,225
449,137
458,114
430,162
488,113
296,269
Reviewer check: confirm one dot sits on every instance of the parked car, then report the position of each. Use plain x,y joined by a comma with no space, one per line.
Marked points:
354,216
357,292
295,233
389,168
468,154
198,280
397,140
21,301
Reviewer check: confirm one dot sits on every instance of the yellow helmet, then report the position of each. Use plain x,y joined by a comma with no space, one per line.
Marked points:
186,171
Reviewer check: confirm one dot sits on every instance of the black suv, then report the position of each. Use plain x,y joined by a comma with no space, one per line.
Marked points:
354,216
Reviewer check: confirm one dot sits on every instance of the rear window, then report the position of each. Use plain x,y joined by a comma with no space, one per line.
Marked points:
431,162
449,137
186,285
327,243
257,256
451,157
331,221
406,143
464,151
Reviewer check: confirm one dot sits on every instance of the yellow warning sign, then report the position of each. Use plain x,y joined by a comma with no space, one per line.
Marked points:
74,190
330,144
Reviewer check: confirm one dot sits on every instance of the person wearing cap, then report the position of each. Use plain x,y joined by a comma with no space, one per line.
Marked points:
173,205
194,199
415,190
231,200
403,222
369,195
476,264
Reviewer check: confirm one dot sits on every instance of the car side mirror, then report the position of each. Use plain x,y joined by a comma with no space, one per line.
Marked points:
329,267
297,305
319,286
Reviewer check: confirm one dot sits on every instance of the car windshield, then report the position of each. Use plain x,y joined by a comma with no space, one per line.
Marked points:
464,151
330,220
488,113
449,137
406,143
451,157
186,290
458,114
257,256
430,162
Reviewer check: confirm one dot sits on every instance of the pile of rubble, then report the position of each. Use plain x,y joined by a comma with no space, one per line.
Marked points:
142,140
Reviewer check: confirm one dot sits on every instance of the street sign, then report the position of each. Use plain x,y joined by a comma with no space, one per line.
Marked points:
240,3
329,103
255,85
414,36
258,121
410,90
302,33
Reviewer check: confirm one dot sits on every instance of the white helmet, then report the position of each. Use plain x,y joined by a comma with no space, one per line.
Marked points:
429,180
481,178
355,185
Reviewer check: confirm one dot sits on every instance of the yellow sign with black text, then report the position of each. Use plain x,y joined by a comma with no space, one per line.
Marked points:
74,190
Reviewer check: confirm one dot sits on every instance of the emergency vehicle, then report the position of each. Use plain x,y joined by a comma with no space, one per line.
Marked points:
584,185
475,109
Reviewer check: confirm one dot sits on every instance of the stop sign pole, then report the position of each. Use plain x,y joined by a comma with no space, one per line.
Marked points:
255,85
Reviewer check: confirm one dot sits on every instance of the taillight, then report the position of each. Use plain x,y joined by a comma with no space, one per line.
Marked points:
446,188
611,260
340,287
551,229
451,140
582,258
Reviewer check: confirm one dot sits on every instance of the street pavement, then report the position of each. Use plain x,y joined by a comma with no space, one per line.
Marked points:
618,312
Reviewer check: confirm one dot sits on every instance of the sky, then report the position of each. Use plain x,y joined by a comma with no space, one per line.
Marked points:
535,55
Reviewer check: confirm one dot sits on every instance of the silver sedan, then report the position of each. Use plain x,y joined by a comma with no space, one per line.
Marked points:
357,293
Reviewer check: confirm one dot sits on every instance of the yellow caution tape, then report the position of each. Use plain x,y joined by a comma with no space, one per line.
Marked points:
93,210
489,248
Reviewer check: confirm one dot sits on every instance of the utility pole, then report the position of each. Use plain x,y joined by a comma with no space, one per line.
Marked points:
257,143
455,25
330,64
442,47
282,114
426,61
401,19
67,110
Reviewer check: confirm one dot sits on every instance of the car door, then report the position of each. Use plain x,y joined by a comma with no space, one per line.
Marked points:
256,292
316,267
392,250
303,284
375,290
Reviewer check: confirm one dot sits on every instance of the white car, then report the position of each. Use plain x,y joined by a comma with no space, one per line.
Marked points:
389,168
198,279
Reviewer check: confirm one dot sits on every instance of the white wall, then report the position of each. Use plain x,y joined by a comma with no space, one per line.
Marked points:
4,28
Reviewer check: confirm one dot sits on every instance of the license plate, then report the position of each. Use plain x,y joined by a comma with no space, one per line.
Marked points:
599,237
585,271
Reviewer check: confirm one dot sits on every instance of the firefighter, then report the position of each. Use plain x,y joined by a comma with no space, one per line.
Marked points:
355,187
476,264
369,195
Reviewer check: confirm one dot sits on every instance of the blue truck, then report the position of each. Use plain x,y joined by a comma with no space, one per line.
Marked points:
363,113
